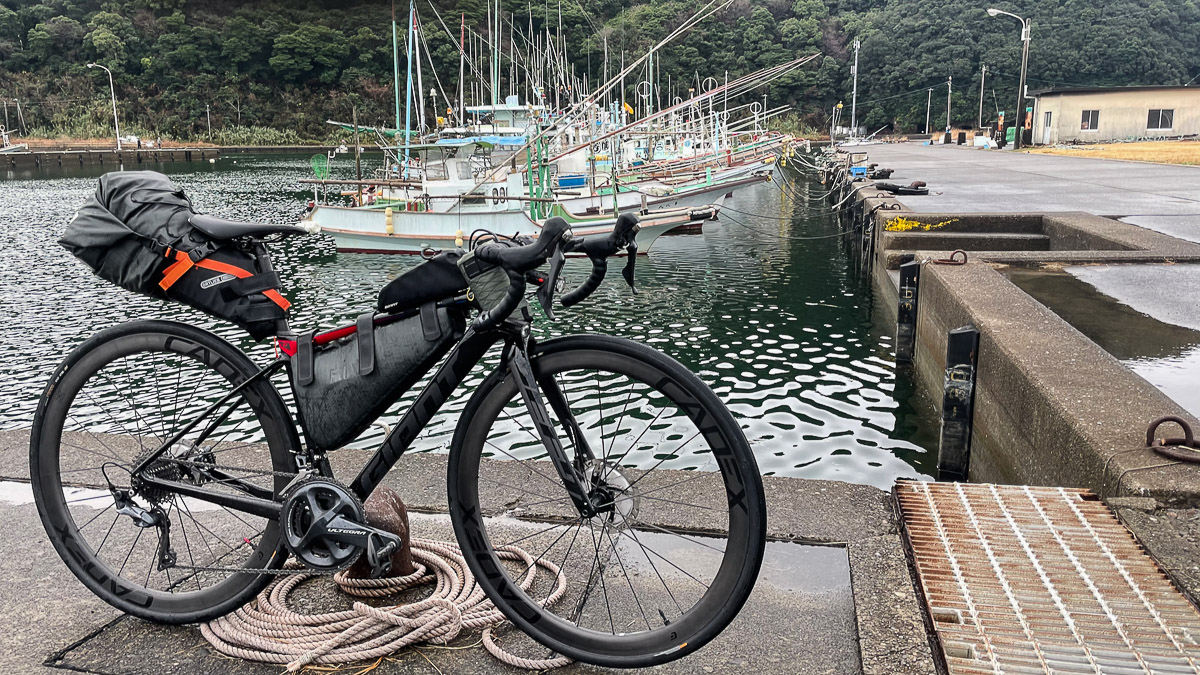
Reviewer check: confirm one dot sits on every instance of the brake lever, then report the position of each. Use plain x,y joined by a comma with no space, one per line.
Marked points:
627,271
545,294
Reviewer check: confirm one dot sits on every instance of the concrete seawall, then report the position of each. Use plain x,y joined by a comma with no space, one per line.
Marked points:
115,158
1051,407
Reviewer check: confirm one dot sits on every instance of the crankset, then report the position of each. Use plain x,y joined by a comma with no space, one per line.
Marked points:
324,527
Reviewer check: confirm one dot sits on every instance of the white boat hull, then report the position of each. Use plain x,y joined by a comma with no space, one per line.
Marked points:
652,226
700,195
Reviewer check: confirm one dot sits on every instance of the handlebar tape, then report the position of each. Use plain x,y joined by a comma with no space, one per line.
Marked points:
599,269
491,318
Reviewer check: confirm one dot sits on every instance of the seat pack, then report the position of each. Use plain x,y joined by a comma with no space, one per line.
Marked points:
136,231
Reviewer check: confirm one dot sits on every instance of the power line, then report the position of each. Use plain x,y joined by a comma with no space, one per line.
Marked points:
888,98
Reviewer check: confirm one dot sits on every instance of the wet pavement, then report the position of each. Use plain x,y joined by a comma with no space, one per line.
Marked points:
1145,329
834,594
961,179
1169,293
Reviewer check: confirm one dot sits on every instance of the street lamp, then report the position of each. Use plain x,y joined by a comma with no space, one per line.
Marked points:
112,90
1026,30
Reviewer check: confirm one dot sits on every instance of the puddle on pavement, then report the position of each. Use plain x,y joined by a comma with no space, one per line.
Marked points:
1166,355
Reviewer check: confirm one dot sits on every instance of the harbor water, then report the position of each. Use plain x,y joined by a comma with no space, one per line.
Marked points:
765,305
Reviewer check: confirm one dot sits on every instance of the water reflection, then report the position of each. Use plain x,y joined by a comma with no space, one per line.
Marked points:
780,328
1166,355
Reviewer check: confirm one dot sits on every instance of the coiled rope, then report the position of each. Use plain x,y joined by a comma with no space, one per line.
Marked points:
267,630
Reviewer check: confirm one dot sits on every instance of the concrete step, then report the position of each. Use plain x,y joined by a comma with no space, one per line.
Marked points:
968,241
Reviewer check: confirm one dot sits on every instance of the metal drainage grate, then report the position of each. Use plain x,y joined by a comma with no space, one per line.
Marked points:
1043,580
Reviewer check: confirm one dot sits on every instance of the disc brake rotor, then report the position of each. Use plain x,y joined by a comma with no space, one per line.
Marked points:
614,493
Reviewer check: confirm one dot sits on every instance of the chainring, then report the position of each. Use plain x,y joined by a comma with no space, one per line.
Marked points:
310,503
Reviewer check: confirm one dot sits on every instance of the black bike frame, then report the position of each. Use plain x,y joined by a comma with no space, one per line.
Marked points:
454,369
469,351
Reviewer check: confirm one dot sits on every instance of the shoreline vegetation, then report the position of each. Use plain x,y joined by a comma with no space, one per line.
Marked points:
271,73
98,138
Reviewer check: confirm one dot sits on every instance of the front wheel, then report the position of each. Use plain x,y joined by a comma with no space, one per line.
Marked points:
676,544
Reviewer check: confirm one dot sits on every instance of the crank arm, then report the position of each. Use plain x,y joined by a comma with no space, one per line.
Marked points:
379,544
518,364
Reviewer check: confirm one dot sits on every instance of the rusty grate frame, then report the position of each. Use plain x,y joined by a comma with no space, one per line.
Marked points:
1021,579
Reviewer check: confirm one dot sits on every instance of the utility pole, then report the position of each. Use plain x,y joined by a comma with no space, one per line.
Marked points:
1019,113
208,114
928,107
982,79
949,86
1026,29
853,96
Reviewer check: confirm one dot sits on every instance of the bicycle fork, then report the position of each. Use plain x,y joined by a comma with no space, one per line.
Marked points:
571,473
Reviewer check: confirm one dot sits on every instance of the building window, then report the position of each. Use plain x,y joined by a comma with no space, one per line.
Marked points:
1160,119
1091,120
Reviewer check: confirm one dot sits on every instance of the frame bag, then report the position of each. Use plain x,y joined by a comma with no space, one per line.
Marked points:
343,386
135,232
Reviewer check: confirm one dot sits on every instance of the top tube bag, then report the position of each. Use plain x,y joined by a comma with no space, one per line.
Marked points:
134,232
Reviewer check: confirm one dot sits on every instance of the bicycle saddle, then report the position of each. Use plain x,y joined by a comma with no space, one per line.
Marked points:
220,228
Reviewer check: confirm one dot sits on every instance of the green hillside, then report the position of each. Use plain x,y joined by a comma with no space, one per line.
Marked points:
273,72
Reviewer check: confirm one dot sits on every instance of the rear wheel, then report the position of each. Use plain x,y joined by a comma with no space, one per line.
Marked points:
115,399
677,542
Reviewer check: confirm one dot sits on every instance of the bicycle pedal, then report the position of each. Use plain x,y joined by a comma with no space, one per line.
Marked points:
379,555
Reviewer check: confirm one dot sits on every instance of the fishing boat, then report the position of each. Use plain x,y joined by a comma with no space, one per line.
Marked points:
7,145
506,166
375,232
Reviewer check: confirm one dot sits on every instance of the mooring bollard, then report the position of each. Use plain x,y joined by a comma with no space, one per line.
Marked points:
906,313
958,398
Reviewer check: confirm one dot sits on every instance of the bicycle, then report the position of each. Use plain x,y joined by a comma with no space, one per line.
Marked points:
153,434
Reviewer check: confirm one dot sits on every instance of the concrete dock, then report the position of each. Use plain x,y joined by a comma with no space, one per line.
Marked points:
835,596
970,180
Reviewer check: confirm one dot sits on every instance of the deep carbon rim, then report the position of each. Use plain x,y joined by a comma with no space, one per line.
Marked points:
57,448
733,470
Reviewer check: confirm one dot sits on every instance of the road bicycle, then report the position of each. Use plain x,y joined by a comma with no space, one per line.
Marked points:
171,476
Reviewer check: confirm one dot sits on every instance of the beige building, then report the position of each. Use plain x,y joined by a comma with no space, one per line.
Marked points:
1114,113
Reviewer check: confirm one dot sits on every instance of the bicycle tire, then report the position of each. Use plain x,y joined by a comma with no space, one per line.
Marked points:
659,377
49,445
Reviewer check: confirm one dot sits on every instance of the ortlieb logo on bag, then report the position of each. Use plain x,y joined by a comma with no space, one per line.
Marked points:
135,231
219,279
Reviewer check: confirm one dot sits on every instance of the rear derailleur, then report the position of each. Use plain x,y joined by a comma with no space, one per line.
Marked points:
142,518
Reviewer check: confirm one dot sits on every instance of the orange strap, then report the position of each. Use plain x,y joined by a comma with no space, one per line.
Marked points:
183,263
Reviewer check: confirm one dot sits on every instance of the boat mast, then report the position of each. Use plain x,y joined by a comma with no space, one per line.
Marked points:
496,65
419,92
408,88
512,62
396,64
462,56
